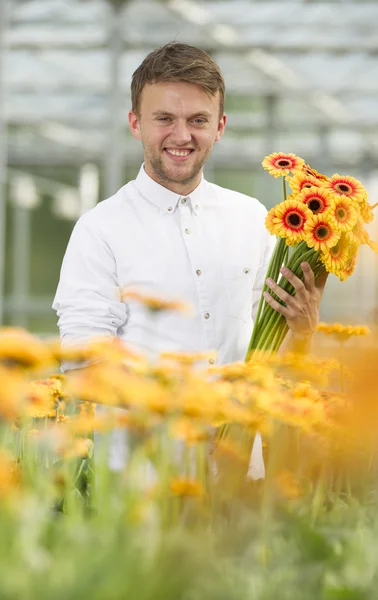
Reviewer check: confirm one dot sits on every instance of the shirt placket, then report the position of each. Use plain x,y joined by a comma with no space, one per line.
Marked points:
196,251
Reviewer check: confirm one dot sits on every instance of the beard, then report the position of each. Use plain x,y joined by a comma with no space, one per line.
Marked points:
166,175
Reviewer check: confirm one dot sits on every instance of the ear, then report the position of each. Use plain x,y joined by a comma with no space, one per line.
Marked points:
134,125
221,127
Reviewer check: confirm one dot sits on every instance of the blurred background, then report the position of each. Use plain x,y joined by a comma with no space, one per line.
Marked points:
301,76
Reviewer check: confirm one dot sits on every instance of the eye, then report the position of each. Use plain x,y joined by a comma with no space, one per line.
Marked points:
200,121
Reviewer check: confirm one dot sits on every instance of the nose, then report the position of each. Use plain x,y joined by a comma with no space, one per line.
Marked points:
181,134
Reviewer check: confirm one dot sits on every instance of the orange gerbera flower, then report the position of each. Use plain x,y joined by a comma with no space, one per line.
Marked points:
342,215
349,187
287,220
299,181
315,198
358,234
279,164
310,171
336,258
319,234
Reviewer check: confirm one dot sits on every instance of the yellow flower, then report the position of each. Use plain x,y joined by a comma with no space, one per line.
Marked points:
319,234
366,211
336,258
342,215
21,349
279,164
347,187
358,234
307,170
184,429
342,330
288,484
347,271
188,358
77,448
9,475
184,486
287,220
316,199
301,181
155,303
40,401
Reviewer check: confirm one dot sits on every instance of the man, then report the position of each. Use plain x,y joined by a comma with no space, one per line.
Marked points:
172,233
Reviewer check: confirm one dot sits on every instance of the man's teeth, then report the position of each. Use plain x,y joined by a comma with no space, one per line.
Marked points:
179,152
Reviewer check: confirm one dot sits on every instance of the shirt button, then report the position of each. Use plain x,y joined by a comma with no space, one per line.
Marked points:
169,208
246,270
207,316
187,231
198,272
211,361
183,200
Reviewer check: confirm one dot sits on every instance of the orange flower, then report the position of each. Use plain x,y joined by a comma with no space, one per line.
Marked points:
350,266
155,303
317,199
319,233
346,186
287,220
279,164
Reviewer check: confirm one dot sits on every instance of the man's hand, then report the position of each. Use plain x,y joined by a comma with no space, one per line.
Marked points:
302,309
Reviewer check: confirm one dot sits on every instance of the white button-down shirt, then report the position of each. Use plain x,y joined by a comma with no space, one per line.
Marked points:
210,249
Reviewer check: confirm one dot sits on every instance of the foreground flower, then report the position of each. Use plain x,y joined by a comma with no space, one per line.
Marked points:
19,348
346,186
307,170
156,303
338,328
288,484
183,486
279,164
287,220
319,233
358,234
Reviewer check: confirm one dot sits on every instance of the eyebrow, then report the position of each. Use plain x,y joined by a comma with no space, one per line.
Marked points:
168,114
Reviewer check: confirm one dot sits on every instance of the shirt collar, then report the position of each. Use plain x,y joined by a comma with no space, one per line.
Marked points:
163,198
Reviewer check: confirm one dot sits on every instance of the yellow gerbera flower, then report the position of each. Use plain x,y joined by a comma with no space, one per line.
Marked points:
279,164
349,187
287,220
155,303
366,211
319,234
350,266
342,330
317,199
342,215
299,181
336,257
358,234
183,486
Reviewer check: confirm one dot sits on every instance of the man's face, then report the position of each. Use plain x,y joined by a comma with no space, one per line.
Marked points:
178,124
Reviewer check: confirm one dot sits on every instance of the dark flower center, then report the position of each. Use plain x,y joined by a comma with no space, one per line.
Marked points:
341,214
322,232
283,162
335,251
294,220
344,188
315,205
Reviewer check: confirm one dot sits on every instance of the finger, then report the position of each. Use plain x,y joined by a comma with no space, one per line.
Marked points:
297,284
284,296
309,277
276,305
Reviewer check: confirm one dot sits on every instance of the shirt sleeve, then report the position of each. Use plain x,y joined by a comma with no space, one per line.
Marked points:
269,242
87,299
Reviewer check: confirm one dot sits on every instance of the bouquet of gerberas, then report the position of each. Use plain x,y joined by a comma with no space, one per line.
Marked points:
321,222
